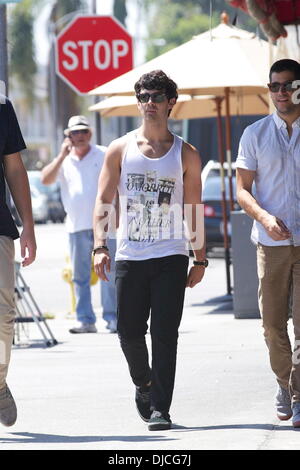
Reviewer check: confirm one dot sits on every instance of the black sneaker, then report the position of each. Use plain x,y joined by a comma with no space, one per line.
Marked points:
159,421
142,401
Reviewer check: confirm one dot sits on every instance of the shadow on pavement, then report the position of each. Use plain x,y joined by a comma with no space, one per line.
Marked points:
265,427
221,304
36,438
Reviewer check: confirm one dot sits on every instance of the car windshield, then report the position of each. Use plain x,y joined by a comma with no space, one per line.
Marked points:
212,188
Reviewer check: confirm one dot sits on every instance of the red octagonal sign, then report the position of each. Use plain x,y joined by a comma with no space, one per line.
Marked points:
92,50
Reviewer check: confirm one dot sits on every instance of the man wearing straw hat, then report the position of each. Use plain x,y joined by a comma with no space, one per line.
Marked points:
77,169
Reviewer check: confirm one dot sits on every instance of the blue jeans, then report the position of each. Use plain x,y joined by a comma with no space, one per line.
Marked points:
81,245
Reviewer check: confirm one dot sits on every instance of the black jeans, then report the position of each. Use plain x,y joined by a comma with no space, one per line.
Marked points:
156,285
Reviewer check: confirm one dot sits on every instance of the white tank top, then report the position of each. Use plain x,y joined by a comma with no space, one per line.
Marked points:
151,204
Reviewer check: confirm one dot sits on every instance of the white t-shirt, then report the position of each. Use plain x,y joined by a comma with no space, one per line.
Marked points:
79,184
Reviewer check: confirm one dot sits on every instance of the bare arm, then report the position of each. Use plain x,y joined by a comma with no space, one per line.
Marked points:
107,188
17,180
192,201
50,171
274,227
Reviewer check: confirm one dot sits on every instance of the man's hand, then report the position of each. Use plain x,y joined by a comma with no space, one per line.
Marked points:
66,147
195,275
275,228
102,264
28,247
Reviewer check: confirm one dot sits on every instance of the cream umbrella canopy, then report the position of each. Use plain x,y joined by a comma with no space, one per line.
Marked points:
187,106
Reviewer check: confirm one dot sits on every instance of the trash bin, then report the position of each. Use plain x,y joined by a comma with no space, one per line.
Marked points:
245,280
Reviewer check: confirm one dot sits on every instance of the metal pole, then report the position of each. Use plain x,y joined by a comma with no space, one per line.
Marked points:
218,100
3,52
53,92
97,114
228,146
4,72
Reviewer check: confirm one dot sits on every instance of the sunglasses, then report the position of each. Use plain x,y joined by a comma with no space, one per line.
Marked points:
155,97
285,86
79,131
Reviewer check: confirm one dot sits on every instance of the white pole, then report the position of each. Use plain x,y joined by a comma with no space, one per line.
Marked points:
97,114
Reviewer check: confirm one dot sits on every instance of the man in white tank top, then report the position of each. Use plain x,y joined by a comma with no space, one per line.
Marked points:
155,174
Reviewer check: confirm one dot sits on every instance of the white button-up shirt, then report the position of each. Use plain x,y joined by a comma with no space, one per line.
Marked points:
267,149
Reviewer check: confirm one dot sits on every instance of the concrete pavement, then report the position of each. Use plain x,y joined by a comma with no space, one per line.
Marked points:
78,394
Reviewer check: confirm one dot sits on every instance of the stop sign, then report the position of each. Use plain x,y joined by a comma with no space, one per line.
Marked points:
92,50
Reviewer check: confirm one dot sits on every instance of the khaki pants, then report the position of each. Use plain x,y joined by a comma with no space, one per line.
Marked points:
7,304
279,288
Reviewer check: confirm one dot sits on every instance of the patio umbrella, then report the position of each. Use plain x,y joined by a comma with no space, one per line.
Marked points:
187,106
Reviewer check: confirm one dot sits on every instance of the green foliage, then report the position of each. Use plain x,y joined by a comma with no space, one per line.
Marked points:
22,60
174,23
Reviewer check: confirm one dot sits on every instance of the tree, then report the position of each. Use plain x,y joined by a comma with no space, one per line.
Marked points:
20,26
173,22
22,57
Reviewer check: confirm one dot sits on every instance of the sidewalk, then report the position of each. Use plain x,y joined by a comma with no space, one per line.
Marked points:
78,394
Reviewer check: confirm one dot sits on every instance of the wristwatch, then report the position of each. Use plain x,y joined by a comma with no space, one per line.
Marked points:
203,263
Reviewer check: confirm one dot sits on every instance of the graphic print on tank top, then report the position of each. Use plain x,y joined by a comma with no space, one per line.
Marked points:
149,202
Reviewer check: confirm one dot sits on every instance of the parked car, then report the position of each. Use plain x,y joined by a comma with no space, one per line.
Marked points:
212,199
56,212
39,203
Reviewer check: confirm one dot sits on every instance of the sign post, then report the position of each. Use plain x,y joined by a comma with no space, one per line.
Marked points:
3,52
92,50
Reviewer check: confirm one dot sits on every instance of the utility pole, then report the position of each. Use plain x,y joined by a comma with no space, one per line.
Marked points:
3,52
53,91
4,73
97,114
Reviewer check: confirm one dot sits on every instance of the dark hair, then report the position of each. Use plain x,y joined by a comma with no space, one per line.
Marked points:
157,80
286,65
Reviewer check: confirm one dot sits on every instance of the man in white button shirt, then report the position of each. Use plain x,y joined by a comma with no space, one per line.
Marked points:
269,155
